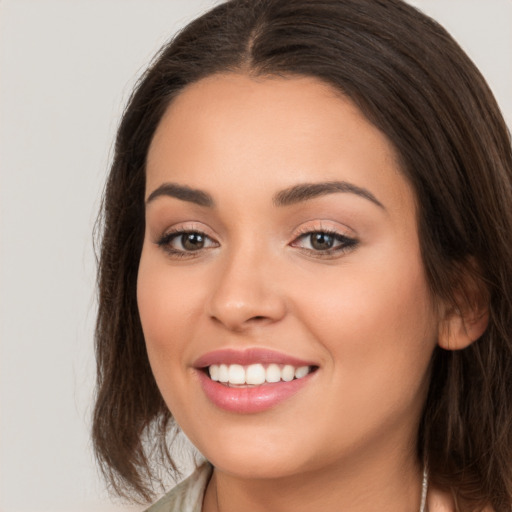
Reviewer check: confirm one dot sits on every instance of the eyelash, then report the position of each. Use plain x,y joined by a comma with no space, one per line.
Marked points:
165,243
345,243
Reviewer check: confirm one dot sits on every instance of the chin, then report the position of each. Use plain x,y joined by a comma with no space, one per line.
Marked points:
253,456
260,468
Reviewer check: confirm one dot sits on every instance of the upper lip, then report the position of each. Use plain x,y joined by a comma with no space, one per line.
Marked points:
247,357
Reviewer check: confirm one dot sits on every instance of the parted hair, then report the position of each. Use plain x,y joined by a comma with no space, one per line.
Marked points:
413,82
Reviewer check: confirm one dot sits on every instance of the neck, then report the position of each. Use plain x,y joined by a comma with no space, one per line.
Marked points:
380,484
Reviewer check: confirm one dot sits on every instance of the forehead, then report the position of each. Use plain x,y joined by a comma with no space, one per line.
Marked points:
271,131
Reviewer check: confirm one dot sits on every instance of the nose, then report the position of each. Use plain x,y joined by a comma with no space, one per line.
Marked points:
246,292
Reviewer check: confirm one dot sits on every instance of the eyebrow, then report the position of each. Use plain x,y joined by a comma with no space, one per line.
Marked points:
183,193
286,197
307,191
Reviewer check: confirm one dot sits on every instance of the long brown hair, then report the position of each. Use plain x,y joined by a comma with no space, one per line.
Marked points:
415,84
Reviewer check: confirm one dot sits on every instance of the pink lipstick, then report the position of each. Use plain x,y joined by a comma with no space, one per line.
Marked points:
252,380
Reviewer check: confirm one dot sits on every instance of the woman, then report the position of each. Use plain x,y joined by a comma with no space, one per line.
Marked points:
306,265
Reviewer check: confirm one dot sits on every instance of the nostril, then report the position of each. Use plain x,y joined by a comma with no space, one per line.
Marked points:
240,307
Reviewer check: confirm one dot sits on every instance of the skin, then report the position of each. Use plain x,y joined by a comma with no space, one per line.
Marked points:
364,315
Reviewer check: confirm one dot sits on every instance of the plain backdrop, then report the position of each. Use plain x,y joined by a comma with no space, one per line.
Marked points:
66,70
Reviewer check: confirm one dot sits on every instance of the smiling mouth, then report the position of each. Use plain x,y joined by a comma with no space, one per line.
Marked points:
236,375
253,380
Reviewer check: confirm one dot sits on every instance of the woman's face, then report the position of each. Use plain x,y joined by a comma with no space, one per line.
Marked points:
281,242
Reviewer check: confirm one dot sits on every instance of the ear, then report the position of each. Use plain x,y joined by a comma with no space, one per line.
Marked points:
458,330
465,322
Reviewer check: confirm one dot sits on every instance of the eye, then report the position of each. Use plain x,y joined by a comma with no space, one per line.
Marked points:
183,242
324,242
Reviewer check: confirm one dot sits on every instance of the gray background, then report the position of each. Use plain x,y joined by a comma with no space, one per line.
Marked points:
67,68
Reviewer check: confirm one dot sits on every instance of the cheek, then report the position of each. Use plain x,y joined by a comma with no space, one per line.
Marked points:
376,322
168,307
165,312
378,332
167,301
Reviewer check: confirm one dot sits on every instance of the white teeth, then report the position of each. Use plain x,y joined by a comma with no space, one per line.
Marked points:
256,374
236,374
273,373
223,373
288,373
301,372
214,372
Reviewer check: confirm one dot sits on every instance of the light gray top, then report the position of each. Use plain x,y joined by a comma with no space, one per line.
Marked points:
188,495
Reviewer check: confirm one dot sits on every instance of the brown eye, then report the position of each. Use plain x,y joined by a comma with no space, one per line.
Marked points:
321,241
192,241
183,242
324,243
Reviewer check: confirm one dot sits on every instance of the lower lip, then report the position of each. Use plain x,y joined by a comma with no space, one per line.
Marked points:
251,399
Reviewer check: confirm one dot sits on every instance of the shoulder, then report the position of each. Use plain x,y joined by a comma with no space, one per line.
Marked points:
186,496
